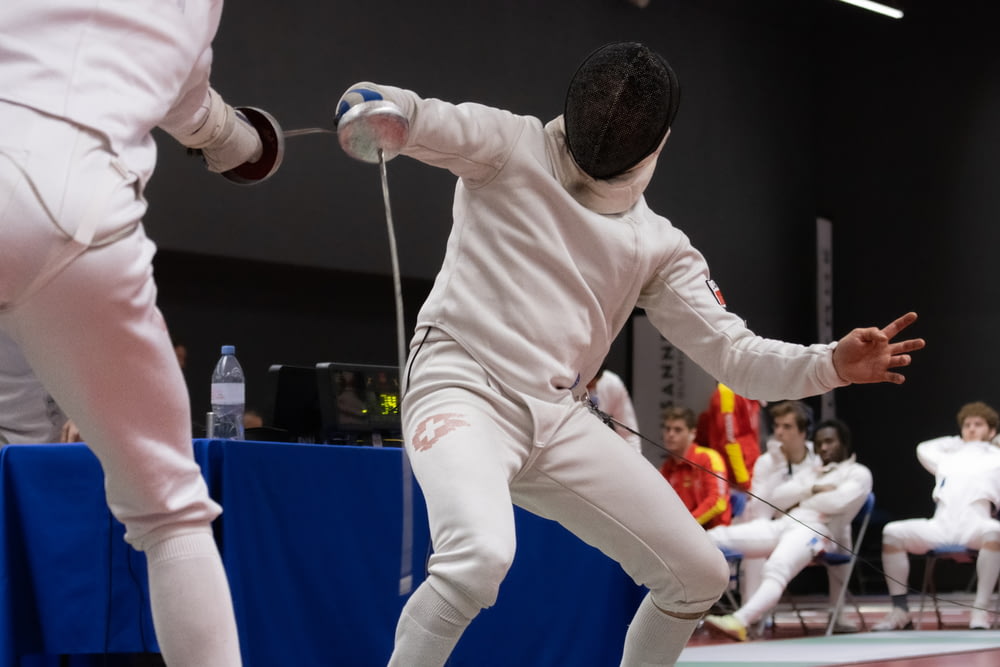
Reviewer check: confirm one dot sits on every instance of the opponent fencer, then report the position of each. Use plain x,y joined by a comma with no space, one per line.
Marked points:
551,248
82,85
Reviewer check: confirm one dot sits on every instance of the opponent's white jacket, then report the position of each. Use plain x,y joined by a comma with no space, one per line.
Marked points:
536,286
135,65
964,473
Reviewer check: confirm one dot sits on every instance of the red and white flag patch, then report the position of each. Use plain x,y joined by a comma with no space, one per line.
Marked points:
716,292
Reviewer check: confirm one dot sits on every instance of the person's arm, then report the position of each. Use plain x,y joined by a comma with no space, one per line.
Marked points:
739,435
847,494
794,490
473,141
931,452
202,120
713,482
682,304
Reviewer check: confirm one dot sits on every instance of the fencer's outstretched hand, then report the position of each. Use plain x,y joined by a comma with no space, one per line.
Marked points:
868,355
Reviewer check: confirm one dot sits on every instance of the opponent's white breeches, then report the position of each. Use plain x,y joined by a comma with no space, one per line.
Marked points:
77,296
476,448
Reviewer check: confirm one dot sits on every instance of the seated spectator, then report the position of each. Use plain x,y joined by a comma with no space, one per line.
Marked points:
698,474
966,471
823,502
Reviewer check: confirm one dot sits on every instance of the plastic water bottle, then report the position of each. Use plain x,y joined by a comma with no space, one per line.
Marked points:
228,396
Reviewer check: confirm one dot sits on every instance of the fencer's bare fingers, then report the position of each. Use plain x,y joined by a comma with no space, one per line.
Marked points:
893,328
898,360
908,345
895,378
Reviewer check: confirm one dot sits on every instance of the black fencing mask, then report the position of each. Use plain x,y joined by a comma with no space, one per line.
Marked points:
620,104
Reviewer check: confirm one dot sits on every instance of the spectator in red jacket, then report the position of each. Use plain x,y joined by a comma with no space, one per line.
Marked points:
698,474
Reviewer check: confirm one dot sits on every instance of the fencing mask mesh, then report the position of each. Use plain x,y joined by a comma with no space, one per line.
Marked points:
620,104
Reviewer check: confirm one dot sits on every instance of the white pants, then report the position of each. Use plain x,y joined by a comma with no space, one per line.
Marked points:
787,545
77,297
918,536
476,448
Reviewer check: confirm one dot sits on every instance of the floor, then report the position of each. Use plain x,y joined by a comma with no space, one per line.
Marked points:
954,610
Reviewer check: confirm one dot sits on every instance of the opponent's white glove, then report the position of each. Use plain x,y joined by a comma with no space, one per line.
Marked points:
226,139
357,94
370,128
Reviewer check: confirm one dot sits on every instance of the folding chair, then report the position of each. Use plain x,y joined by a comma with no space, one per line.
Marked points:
958,553
859,527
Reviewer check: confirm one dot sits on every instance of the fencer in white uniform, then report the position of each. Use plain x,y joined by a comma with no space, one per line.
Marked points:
551,248
966,471
822,501
82,85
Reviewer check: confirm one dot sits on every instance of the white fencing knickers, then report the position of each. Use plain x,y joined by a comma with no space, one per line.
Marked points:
77,296
476,448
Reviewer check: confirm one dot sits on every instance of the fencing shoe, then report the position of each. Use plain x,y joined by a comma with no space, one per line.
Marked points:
979,620
727,625
897,619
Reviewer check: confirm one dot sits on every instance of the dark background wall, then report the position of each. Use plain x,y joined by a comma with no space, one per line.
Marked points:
792,109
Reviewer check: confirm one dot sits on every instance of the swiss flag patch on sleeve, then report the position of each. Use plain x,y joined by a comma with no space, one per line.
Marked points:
716,292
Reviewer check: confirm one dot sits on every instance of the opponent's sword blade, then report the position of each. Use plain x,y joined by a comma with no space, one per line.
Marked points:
308,130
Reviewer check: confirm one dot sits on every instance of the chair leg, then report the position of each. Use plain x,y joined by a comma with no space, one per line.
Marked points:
928,586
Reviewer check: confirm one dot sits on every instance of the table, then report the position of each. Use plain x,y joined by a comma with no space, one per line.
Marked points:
311,540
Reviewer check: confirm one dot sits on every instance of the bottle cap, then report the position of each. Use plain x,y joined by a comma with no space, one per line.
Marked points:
228,349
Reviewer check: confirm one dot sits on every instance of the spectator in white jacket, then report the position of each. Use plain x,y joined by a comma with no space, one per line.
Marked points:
822,504
966,471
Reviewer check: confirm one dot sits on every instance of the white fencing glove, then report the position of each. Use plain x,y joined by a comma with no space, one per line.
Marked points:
369,127
226,139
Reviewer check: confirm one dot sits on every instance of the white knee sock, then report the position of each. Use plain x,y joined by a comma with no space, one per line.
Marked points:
768,594
428,629
987,571
897,571
654,638
191,603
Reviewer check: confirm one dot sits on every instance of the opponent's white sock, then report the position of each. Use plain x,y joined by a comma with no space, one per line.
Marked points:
655,638
428,629
191,603
987,571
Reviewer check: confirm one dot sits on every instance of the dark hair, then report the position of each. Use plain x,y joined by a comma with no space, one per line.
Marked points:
843,432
